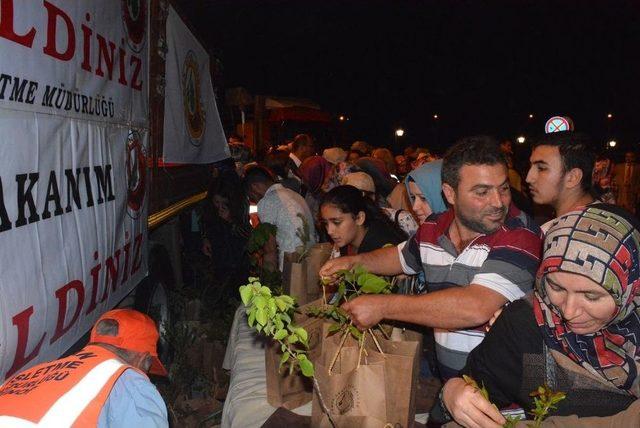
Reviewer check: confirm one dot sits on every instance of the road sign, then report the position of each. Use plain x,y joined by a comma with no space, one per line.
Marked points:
558,124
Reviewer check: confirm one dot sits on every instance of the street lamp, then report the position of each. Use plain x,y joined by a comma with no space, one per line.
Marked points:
609,116
435,117
612,143
341,118
399,132
521,139
530,116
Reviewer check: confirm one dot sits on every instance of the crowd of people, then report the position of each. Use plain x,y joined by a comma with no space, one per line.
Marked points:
526,278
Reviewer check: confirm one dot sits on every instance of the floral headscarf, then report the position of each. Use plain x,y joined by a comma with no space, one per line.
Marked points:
601,243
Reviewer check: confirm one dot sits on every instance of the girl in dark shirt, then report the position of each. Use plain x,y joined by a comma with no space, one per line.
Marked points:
355,224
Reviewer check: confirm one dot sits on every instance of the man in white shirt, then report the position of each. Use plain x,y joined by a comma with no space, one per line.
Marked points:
283,208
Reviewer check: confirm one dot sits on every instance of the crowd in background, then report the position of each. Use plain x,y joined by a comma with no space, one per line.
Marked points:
469,229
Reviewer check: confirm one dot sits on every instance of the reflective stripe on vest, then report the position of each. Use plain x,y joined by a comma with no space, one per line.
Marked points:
68,407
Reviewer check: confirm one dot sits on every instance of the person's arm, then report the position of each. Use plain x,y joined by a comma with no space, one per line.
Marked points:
270,256
134,401
453,308
384,261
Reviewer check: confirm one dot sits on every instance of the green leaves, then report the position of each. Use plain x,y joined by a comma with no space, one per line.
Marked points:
352,283
545,400
372,284
245,294
306,366
260,235
272,316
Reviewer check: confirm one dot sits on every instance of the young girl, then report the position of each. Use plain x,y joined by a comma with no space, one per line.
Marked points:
354,223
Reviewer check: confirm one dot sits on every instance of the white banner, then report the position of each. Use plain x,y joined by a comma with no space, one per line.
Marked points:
73,141
192,129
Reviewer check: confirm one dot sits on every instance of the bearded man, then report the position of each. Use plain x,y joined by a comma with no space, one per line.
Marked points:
480,254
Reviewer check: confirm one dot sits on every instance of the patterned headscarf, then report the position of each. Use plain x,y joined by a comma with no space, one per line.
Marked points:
602,244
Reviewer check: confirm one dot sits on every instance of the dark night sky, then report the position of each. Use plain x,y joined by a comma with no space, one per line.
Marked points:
481,66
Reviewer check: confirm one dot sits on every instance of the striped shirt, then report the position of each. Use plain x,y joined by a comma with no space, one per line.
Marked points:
504,261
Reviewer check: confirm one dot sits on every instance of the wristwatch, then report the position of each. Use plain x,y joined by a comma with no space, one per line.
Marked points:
443,408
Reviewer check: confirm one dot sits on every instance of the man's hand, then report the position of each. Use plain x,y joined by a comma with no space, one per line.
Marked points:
331,267
366,311
468,407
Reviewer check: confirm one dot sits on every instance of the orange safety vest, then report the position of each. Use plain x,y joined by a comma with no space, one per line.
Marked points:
69,392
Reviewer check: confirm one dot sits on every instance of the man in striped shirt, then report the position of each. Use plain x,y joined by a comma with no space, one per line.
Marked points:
480,254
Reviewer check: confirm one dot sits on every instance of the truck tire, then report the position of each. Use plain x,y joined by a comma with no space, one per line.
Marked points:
152,298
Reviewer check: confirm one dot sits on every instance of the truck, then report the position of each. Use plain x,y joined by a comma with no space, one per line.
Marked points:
90,188
268,121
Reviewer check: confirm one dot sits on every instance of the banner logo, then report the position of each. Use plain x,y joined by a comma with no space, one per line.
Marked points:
136,174
192,99
134,18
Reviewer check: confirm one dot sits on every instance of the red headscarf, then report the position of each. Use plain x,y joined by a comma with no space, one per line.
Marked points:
314,171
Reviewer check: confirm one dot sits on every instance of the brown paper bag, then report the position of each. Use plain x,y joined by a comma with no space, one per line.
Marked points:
348,392
402,371
401,363
294,277
283,389
317,256
300,277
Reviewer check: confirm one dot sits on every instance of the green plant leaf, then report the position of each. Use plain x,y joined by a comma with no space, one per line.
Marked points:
280,303
271,304
355,332
260,302
372,284
280,334
306,366
284,359
245,294
261,316
302,334
292,339
252,318
334,328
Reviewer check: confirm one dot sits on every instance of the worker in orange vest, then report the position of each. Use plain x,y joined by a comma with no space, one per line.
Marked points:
103,385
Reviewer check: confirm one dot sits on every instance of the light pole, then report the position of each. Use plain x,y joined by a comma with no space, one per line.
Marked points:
399,133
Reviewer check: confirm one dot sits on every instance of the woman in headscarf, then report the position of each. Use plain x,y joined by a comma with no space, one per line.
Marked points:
315,172
424,186
363,182
390,193
579,333
337,157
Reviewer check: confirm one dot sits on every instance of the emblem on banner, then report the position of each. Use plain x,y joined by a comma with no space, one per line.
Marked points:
192,100
134,17
136,174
